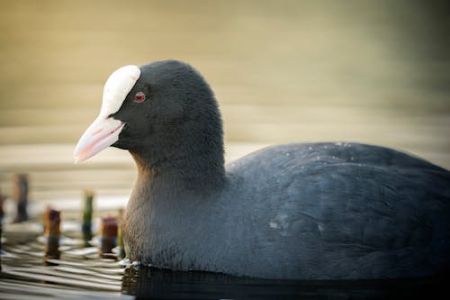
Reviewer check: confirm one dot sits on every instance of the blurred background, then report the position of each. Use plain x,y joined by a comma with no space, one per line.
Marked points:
376,72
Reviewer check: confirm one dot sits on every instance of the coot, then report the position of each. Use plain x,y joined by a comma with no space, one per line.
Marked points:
296,211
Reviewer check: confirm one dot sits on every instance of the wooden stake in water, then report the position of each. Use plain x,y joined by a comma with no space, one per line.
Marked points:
86,226
120,244
20,195
108,235
2,201
52,219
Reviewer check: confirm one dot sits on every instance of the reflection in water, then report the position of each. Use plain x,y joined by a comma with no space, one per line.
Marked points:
79,273
165,284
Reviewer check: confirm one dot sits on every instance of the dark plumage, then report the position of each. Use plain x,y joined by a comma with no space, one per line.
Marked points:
297,211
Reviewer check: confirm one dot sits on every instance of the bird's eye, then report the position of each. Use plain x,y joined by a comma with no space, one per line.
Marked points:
139,97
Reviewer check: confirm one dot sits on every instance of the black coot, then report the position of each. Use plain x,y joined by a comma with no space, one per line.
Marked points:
297,211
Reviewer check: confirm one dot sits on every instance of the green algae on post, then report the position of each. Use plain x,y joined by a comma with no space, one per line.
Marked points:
86,226
108,236
52,219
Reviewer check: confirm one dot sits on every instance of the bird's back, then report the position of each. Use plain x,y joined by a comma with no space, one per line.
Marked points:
342,210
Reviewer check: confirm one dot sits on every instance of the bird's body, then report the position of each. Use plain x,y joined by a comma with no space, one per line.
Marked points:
346,211
297,211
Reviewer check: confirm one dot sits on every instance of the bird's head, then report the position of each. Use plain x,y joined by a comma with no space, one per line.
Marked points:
155,109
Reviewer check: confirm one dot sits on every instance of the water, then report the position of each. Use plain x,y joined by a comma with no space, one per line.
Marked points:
81,274
282,71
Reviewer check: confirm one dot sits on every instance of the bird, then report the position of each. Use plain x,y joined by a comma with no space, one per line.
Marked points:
303,211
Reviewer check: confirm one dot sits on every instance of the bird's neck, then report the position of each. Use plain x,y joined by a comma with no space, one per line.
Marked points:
169,205
184,173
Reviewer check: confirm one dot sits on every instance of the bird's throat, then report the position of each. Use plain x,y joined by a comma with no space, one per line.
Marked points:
195,175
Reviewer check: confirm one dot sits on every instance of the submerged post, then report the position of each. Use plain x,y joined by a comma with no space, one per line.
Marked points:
108,235
20,195
52,219
86,226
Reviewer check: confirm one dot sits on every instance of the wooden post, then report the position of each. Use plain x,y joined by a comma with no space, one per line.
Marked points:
108,235
52,219
86,226
20,195
120,243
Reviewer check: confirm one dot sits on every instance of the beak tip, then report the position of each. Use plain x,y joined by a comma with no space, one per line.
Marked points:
77,159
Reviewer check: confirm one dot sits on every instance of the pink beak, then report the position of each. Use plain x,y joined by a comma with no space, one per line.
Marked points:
102,133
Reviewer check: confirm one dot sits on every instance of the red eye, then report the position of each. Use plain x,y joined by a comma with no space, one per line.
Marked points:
139,97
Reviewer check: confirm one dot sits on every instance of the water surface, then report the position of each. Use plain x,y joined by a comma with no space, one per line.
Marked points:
81,274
